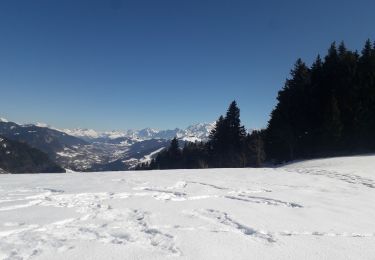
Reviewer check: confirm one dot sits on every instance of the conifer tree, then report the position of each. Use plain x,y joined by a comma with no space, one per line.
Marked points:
174,148
255,149
333,125
237,132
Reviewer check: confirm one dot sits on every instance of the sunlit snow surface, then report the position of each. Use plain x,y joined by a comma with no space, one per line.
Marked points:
321,209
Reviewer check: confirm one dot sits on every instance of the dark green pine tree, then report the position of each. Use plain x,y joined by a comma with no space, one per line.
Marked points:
365,108
174,148
235,136
255,153
194,155
174,155
225,146
289,128
217,143
332,126
237,132
346,93
316,109
217,134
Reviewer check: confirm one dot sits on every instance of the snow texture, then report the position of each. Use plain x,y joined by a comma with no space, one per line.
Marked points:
319,209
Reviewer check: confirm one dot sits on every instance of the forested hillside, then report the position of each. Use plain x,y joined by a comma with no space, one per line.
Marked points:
17,157
325,109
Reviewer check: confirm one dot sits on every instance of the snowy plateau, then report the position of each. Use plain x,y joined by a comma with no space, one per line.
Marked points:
317,209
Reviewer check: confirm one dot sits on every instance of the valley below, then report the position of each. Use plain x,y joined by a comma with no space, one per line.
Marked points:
86,150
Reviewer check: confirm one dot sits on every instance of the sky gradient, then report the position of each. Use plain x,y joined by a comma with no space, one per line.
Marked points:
161,63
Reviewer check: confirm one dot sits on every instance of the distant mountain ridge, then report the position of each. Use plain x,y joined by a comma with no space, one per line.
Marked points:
46,139
197,132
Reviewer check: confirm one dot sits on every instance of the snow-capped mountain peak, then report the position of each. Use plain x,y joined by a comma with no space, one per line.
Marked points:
82,132
200,130
193,133
113,134
147,133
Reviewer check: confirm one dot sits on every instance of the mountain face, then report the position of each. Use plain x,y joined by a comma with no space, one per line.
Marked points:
197,132
16,157
45,139
138,152
91,135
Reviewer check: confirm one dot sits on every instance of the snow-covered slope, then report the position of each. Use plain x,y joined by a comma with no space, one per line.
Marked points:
83,133
320,209
197,132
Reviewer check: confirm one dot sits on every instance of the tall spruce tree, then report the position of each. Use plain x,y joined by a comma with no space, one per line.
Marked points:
217,143
226,140
236,131
289,126
174,148
235,156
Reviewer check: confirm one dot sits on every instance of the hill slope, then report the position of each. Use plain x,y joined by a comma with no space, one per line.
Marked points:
321,209
16,157
45,139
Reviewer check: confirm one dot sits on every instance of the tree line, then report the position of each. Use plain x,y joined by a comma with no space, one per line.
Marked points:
229,145
326,109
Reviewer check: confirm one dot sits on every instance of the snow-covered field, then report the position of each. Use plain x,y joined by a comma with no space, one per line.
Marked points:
320,209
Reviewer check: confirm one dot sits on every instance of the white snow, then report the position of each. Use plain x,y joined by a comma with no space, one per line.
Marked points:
66,154
319,209
78,132
92,134
149,157
41,124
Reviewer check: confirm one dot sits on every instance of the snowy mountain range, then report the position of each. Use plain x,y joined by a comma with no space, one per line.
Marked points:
194,133
90,150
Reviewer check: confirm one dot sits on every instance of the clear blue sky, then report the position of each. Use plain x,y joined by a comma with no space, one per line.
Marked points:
161,63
